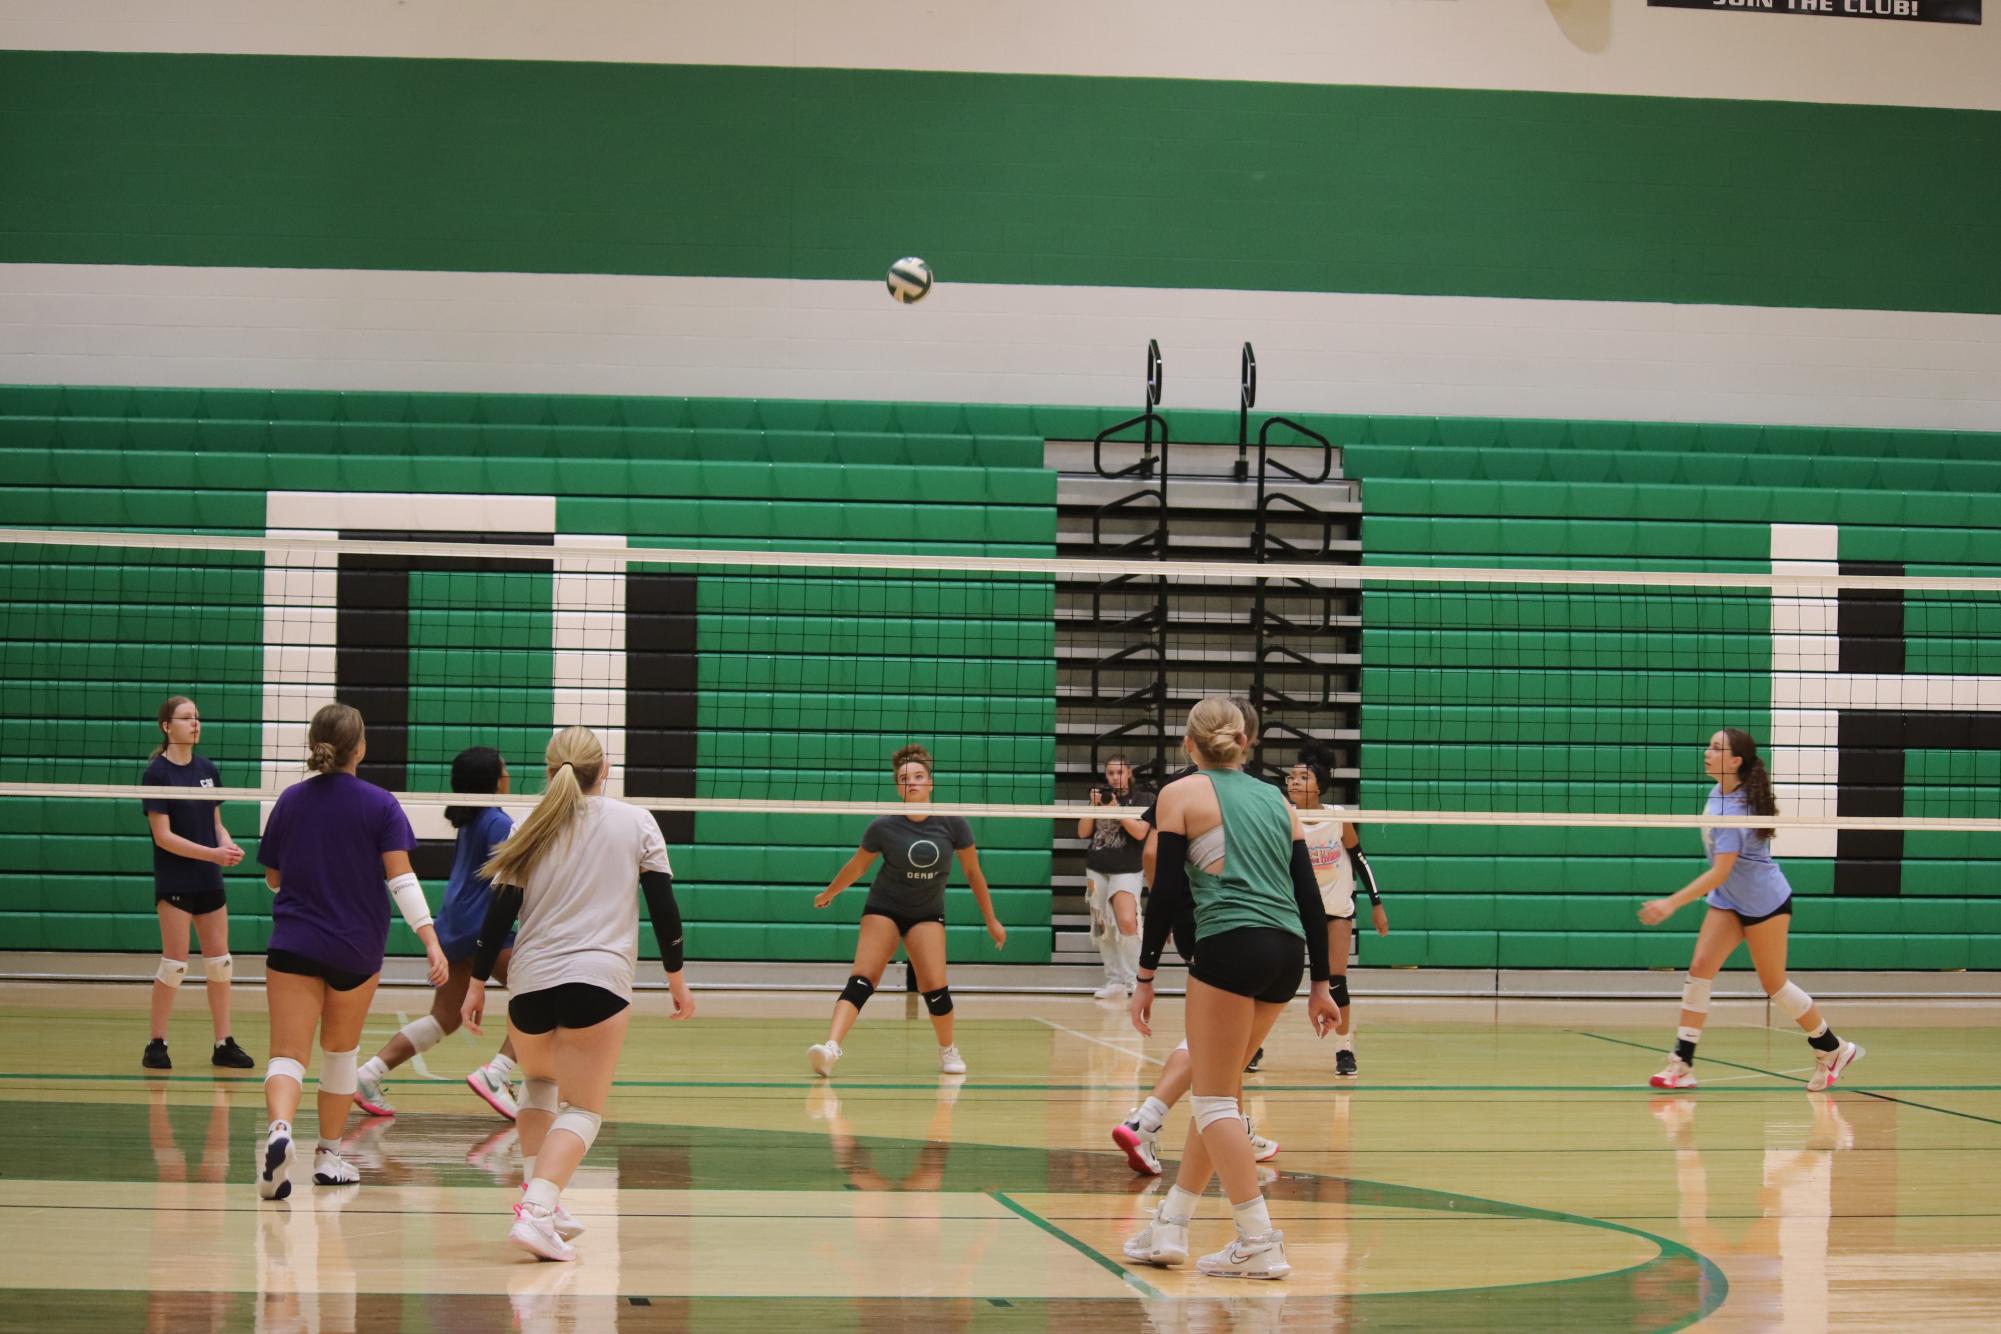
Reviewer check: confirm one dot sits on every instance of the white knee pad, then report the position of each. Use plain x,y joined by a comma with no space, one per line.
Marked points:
1182,1046
1695,994
221,968
538,1094
1209,1111
284,1067
584,1125
337,1071
170,972
424,1033
1791,1001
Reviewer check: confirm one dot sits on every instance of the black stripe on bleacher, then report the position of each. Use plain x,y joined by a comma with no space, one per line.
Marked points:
1872,742
372,653
661,694
1872,622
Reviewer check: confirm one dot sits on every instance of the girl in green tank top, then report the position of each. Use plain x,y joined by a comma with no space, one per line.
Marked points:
1255,887
1253,946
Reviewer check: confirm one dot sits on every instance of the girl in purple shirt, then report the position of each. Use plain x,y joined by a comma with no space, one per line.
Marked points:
331,842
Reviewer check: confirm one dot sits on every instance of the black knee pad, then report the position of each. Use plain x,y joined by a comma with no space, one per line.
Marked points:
857,991
939,1001
1340,989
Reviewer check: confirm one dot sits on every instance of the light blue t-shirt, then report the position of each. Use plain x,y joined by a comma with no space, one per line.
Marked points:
1756,885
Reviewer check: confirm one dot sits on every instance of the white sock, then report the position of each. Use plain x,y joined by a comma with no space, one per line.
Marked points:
327,1146
1152,1113
373,1068
502,1066
1178,1207
1345,1041
1253,1219
278,1129
1129,959
542,1195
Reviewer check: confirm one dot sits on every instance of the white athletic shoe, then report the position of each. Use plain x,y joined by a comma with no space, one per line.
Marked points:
1158,1243
493,1091
274,1176
566,1225
535,1232
1262,1150
1677,1075
330,1169
1827,1066
1112,991
950,1062
1249,1257
1142,1146
368,1096
822,1056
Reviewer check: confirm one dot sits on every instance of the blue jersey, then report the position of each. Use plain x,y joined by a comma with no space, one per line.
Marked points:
468,896
1756,885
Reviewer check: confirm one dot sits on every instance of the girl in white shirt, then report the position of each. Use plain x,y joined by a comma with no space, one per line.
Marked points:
567,873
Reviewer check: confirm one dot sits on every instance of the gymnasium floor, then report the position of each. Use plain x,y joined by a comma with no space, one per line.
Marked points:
1498,1167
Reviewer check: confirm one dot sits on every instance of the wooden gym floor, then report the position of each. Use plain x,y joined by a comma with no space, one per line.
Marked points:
1497,1167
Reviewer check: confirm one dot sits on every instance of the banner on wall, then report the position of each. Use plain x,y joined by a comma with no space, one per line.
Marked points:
1910,11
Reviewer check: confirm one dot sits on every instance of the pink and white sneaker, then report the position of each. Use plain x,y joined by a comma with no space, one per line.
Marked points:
1677,1075
1829,1065
535,1232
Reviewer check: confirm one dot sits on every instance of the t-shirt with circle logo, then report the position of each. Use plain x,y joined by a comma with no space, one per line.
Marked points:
916,859
192,820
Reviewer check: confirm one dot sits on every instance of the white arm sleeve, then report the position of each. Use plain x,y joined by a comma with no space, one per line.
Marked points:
409,896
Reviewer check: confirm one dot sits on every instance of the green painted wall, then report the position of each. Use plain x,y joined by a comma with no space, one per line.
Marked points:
303,162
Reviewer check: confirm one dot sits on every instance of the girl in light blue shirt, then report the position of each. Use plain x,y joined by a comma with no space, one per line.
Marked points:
1749,901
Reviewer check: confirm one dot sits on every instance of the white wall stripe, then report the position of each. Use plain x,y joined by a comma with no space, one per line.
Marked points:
980,343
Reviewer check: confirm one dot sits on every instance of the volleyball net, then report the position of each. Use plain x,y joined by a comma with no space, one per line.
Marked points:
786,680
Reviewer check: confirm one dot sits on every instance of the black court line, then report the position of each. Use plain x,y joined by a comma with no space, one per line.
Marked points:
1866,1093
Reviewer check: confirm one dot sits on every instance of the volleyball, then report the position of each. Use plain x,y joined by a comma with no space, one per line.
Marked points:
909,279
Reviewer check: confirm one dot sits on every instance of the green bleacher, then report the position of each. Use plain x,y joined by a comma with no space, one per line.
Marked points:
1456,692
968,672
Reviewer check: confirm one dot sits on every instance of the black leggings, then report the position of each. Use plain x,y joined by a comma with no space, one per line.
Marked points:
571,1005
339,979
1261,962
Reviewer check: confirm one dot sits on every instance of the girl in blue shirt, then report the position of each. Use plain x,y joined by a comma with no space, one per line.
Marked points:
476,769
1749,901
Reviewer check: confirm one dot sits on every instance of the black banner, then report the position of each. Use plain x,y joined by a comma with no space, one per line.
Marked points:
1909,11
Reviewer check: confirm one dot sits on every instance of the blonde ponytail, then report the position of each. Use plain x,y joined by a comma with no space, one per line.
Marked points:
1217,728
575,762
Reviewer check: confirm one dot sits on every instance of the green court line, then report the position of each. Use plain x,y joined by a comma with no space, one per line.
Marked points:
1878,1094
1074,1243
893,1086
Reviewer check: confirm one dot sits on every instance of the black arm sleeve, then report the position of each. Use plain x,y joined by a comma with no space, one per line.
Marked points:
1365,875
500,915
1312,916
1169,898
658,887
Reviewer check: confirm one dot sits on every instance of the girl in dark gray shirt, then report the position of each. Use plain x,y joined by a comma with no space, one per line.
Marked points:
906,902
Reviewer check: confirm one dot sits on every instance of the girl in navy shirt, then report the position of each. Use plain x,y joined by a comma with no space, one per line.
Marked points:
481,829
331,842
190,848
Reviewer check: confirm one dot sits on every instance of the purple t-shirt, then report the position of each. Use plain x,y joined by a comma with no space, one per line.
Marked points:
325,838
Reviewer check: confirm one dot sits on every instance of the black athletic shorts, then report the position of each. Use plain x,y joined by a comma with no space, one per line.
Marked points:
1745,919
198,902
1261,962
1332,918
571,1005
340,979
903,922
